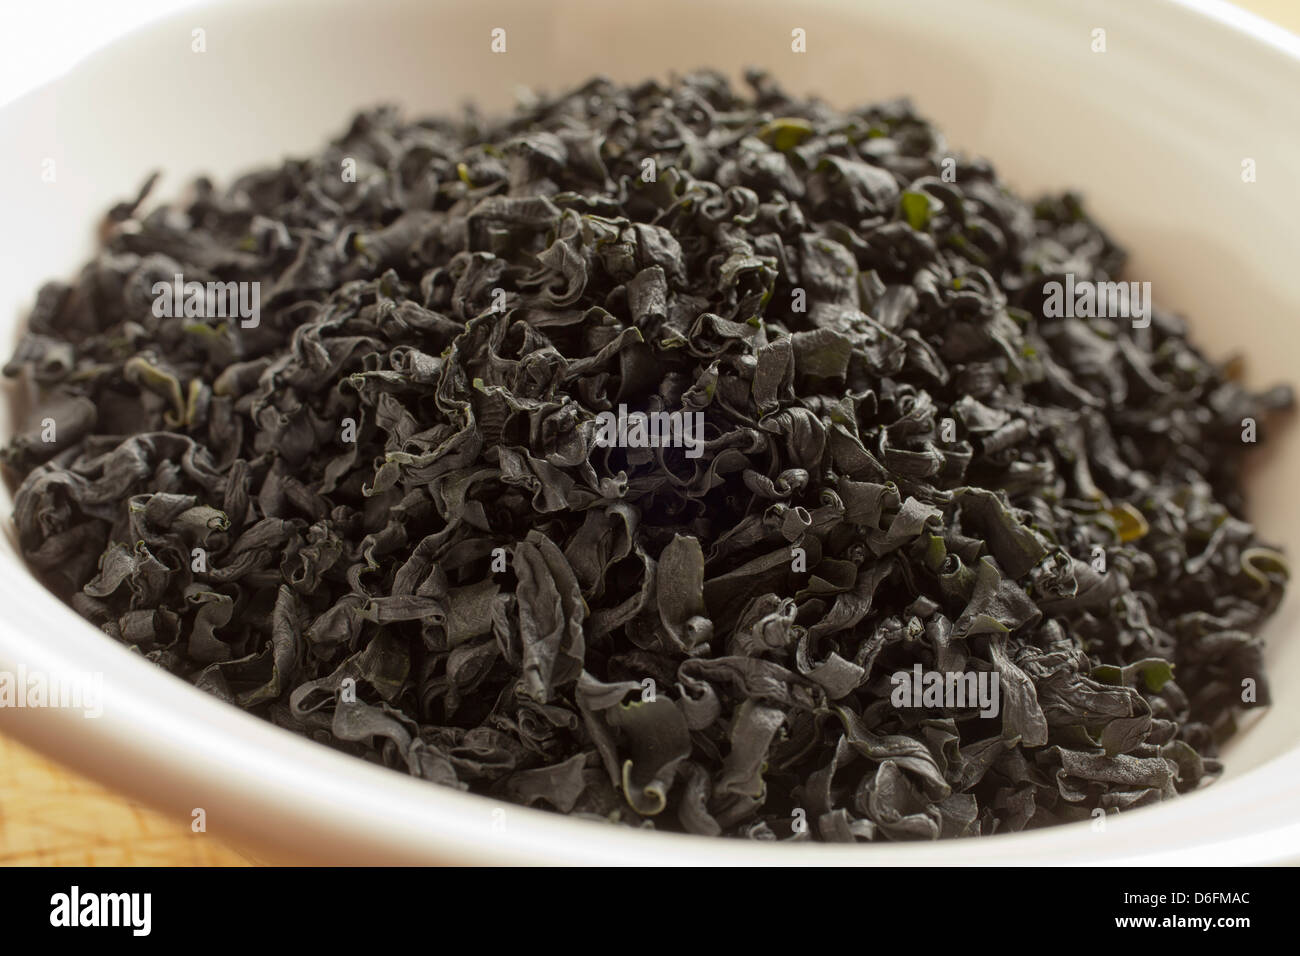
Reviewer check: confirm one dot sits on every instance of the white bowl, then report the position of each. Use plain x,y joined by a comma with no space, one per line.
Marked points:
1154,132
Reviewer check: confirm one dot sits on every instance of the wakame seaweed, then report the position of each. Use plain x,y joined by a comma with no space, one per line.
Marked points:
375,501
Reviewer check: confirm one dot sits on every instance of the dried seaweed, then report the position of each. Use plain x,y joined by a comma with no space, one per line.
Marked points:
378,511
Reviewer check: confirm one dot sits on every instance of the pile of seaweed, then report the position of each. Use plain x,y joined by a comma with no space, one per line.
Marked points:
379,515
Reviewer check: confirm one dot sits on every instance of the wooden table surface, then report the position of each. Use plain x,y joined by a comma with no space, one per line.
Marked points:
52,816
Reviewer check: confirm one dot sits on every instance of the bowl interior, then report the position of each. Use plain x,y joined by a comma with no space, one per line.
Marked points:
1153,131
